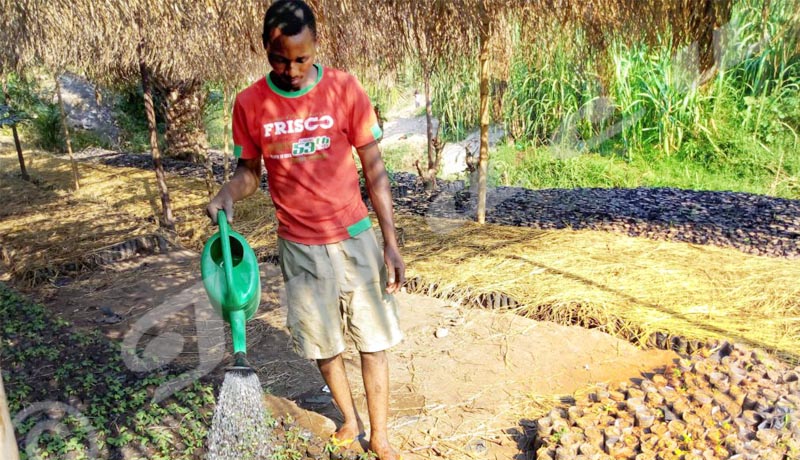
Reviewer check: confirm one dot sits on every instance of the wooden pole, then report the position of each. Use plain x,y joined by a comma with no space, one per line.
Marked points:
14,132
166,220
67,139
483,158
8,444
226,132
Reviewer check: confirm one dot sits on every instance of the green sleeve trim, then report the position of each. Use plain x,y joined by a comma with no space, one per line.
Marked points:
298,93
377,132
360,226
237,151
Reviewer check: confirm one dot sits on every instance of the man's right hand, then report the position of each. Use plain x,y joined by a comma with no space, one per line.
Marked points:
222,202
244,183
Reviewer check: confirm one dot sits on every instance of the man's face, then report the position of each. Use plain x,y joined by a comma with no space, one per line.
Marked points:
292,58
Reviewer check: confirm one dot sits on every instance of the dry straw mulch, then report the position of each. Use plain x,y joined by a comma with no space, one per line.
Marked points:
48,230
630,287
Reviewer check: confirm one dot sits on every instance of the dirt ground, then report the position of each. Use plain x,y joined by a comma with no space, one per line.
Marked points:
468,393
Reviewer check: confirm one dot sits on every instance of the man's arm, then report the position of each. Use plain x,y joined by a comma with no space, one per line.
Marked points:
380,195
245,182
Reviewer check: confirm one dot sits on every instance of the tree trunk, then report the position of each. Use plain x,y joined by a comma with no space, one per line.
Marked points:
184,102
17,144
67,138
8,444
21,159
483,158
705,38
208,163
429,177
166,221
226,133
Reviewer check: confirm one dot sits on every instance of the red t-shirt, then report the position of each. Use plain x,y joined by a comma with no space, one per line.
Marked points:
306,139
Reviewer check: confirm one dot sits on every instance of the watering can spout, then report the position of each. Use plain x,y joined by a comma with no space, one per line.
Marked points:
240,363
237,320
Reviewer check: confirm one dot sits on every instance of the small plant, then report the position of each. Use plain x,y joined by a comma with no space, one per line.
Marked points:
608,407
330,447
45,128
556,437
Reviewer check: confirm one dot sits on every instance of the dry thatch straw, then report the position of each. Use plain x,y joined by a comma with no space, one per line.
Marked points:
45,228
631,287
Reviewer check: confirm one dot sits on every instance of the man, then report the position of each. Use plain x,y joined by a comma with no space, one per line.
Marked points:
304,121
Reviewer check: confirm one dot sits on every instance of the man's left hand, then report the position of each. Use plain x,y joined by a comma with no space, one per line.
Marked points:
395,268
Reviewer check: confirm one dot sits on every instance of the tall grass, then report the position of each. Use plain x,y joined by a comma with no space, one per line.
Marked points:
455,97
550,87
645,109
386,89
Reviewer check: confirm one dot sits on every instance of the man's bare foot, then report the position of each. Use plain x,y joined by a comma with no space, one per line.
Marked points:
383,450
346,436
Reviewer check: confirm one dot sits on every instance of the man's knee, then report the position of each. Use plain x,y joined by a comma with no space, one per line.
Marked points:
376,357
326,362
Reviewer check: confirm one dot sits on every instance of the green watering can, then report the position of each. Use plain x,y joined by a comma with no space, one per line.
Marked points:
233,284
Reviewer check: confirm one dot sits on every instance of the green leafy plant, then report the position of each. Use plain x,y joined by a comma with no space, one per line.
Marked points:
92,375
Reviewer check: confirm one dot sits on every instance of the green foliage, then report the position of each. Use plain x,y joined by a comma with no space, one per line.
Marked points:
11,117
45,129
382,95
541,168
635,114
549,82
749,168
41,118
455,96
400,156
132,119
82,139
86,371
213,117
22,92
385,88
295,445
43,126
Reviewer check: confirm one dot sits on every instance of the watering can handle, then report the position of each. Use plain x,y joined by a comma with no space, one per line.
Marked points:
227,258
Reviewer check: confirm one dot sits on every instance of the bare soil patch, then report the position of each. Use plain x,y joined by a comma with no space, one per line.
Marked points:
466,391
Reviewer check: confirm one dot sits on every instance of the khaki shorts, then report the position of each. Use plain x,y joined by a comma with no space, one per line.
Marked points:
335,290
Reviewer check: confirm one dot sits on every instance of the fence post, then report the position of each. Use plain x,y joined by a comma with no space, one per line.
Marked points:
8,444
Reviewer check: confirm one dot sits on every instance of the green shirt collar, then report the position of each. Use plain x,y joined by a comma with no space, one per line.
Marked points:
298,93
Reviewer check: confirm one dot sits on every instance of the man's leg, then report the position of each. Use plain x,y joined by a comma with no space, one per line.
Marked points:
333,372
375,371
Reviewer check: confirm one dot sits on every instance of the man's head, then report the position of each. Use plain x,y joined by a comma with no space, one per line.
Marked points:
290,39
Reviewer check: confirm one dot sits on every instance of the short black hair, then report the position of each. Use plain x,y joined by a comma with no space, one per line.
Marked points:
290,16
